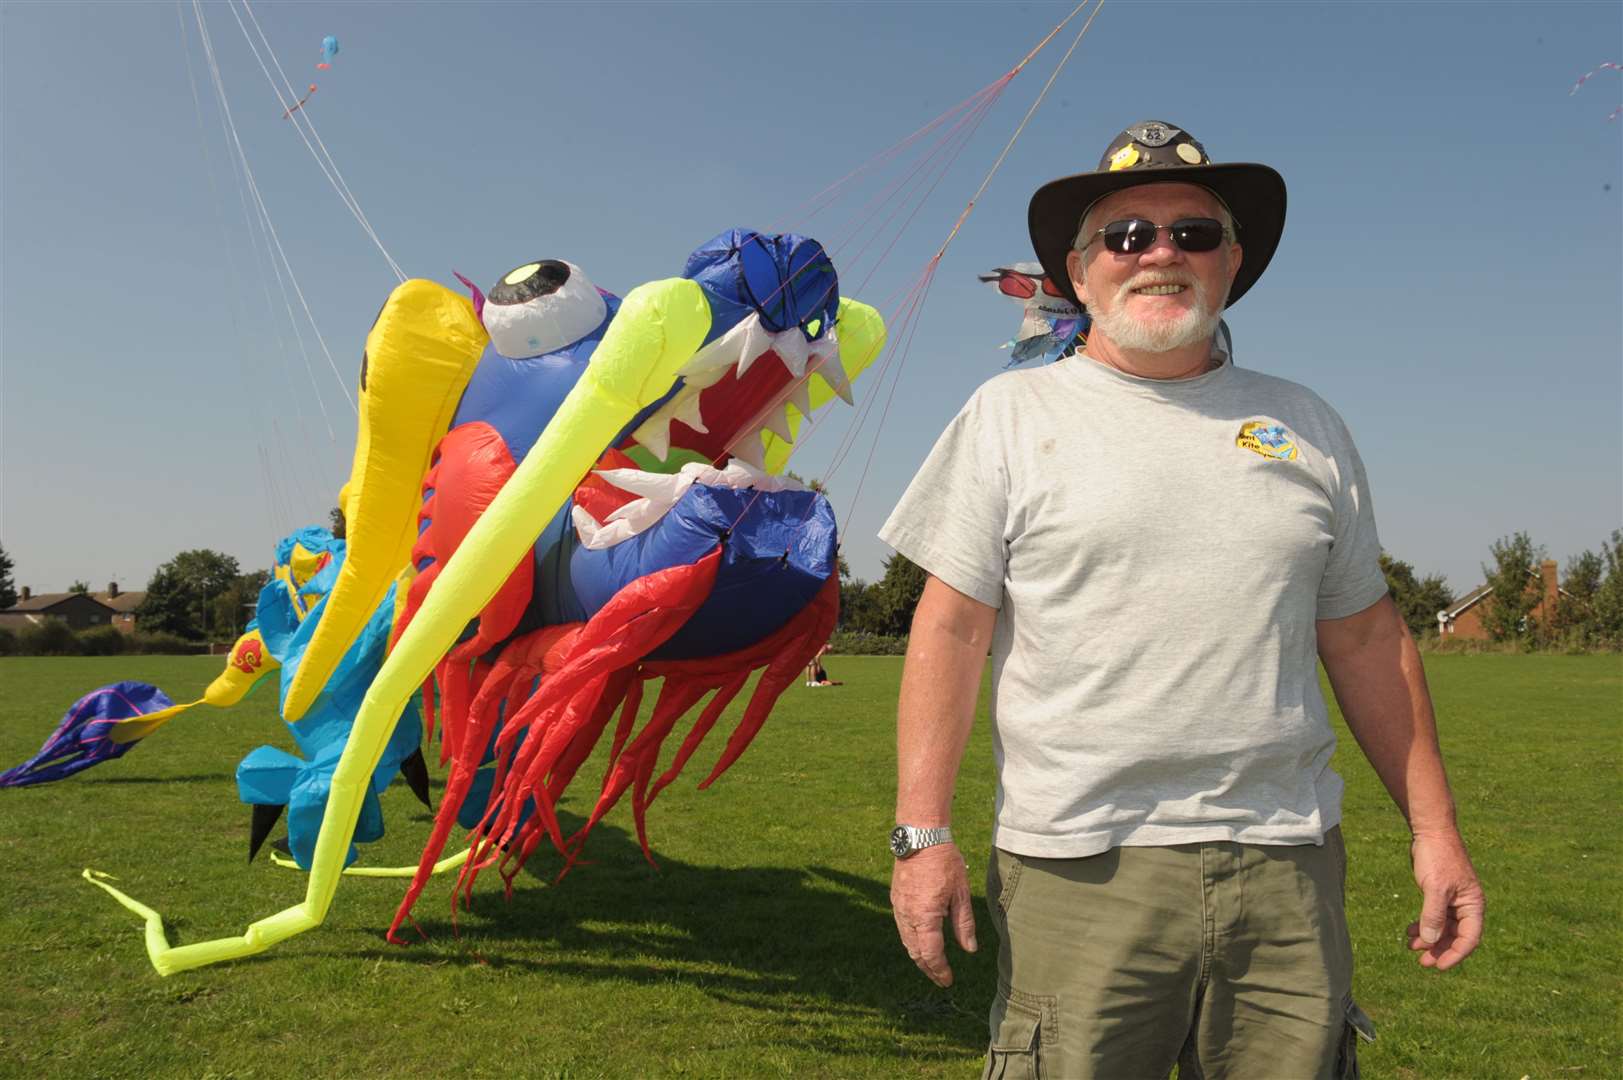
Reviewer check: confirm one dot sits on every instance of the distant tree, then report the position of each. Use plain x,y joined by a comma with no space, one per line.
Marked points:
181,594
897,594
79,587
234,607
8,587
859,610
1607,606
1418,599
1512,576
336,523
1575,606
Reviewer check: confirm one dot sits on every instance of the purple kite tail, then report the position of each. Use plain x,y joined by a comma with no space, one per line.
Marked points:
81,740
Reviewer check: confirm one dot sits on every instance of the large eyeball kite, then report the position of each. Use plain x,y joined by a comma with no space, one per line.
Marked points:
541,306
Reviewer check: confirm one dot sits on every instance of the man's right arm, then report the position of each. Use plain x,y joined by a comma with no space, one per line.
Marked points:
941,681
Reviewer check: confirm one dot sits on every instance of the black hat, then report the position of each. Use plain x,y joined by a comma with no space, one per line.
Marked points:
1155,152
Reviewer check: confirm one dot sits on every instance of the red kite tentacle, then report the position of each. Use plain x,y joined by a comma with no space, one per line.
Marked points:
619,690
628,716
815,622
675,698
701,728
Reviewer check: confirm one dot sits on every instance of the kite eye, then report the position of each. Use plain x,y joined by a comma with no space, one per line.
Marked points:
540,307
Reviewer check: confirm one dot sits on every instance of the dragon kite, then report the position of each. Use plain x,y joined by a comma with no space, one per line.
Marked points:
558,495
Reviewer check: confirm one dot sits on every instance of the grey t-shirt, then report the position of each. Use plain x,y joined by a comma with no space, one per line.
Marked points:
1158,553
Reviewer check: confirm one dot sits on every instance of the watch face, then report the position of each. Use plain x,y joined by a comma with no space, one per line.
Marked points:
898,842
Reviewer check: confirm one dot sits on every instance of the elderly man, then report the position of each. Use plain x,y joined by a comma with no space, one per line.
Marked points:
1156,546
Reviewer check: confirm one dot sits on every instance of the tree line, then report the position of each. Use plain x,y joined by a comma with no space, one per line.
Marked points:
202,595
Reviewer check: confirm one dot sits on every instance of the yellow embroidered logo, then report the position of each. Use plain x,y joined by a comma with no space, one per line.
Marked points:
1269,440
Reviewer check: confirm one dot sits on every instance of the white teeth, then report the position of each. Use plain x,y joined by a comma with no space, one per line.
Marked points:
687,411
636,481
1159,290
749,449
800,397
655,434
833,372
747,361
794,350
777,422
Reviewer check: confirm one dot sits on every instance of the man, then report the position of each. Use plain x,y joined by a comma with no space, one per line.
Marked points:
1156,547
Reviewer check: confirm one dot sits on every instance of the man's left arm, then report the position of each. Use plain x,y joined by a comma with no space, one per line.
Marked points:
1375,671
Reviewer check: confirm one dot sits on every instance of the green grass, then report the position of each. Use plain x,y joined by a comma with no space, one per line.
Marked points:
764,945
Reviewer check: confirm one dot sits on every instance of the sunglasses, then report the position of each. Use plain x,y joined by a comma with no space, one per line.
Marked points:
1024,286
1133,235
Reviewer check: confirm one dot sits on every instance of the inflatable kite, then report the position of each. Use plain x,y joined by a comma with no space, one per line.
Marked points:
108,722
1051,327
559,495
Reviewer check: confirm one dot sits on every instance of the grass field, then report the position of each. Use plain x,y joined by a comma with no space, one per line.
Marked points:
764,945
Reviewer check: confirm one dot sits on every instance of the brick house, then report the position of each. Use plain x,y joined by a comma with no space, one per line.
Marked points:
1465,619
80,611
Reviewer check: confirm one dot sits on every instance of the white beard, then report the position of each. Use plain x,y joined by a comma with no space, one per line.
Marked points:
1124,331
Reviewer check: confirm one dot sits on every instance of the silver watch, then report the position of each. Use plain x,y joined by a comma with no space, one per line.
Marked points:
908,840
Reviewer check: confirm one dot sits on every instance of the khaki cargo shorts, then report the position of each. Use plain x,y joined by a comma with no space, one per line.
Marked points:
1230,960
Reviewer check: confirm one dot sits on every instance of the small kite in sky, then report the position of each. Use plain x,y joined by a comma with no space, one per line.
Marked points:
1607,65
329,49
295,108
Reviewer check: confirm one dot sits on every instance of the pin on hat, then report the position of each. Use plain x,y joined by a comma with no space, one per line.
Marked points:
1156,152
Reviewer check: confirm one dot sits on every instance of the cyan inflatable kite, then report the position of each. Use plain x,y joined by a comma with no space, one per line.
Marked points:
569,494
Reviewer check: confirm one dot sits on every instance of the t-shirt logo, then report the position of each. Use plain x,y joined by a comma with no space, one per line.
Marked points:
1269,440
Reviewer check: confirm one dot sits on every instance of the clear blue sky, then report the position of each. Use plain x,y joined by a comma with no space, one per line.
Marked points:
1451,276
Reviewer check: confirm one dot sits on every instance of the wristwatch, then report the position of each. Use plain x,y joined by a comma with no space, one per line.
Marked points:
908,840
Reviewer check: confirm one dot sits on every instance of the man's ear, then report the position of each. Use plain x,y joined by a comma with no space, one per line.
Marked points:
1073,266
1236,257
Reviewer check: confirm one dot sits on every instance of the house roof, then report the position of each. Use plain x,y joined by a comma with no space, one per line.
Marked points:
123,602
1482,592
1467,601
46,601
19,620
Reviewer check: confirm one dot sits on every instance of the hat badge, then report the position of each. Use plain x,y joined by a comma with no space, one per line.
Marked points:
1155,135
1125,158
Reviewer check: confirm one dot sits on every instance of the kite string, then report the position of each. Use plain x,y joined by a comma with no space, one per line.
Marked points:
796,216
954,141
277,508
334,177
919,294
913,304
1027,118
253,187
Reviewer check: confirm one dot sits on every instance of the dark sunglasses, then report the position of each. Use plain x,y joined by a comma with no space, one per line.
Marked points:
1024,286
1133,235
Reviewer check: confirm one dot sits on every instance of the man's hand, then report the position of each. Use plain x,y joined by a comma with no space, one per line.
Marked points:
1452,904
924,890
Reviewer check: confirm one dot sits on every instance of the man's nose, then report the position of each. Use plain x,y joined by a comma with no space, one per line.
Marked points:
1162,252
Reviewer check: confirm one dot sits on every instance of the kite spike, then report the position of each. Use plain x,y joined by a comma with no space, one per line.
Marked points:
265,816
415,771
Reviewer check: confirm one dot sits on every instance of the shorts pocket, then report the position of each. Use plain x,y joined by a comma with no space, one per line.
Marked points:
1008,867
1355,1026
1017,1035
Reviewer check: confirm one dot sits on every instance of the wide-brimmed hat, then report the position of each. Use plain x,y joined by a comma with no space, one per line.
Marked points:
1155,152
